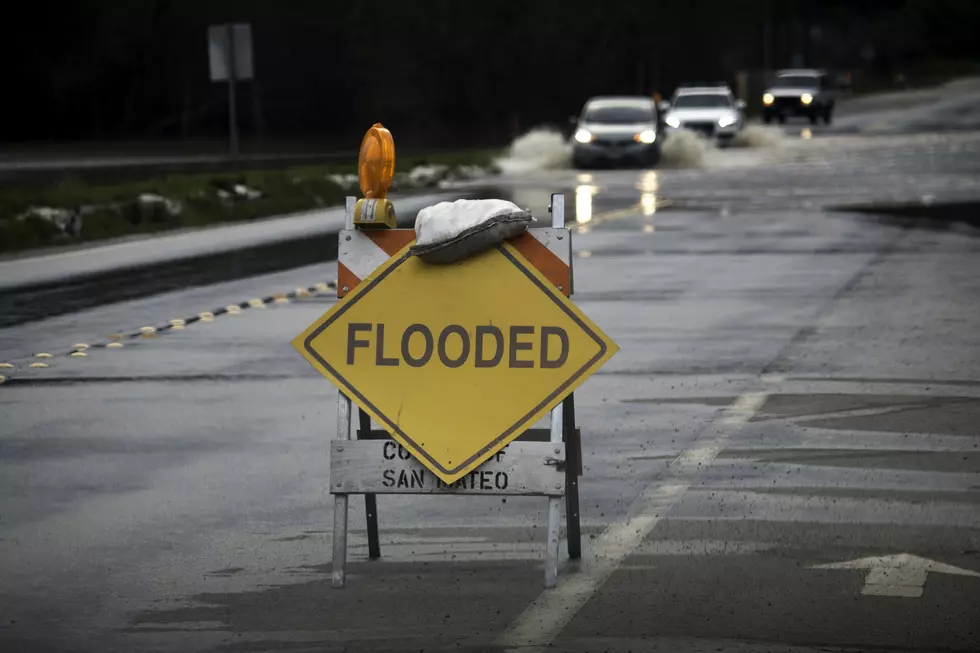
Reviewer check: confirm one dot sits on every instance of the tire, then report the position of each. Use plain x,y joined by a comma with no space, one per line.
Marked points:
579,164
828,115
814,116
782,119
767,118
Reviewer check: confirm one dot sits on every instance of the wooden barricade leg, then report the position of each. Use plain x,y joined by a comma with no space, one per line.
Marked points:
370,500
557,209
554,512
573,469
339,564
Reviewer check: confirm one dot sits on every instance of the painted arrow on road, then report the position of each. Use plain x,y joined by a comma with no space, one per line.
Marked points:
901,575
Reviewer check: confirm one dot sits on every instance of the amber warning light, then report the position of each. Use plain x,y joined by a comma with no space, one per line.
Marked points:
375,169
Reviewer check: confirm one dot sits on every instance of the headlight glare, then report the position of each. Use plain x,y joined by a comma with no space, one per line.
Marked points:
673,121
583,136
768,99
646,136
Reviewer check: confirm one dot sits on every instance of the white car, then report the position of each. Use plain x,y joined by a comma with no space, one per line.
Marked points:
616,131
711,111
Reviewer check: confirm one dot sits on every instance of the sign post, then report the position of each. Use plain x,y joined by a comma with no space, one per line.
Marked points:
230,59
456,362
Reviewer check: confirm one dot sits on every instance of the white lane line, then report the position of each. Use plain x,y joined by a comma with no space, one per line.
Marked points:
536,627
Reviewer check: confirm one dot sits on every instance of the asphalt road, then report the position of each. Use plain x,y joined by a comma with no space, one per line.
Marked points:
785,455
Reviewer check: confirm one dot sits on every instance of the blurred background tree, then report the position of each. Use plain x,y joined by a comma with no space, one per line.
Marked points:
446,71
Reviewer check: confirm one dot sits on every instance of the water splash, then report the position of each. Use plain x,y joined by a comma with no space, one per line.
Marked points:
539,149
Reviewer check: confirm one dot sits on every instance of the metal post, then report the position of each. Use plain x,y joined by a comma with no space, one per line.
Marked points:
340,514
232,103
557,431
370,500
573,467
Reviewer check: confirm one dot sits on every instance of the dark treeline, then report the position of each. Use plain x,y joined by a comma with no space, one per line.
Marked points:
448,70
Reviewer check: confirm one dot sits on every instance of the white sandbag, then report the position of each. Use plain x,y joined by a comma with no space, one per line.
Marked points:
451,231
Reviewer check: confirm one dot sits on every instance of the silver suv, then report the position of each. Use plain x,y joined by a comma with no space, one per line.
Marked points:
617,130
808,93
711,111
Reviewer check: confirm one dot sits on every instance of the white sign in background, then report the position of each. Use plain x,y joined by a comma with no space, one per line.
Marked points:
219,46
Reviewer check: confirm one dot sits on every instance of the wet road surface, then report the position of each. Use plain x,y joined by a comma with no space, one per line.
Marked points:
785,455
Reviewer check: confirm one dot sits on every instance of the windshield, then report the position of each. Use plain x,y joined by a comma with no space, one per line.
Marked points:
707,101
795,81
619,115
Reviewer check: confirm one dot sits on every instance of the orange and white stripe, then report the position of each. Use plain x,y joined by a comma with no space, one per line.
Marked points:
361,252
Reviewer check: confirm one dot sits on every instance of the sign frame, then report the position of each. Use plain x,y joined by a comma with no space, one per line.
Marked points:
559,428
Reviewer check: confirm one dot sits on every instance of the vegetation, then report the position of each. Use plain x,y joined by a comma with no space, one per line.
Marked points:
112,210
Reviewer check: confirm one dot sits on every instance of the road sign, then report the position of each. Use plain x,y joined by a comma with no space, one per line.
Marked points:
230,59
386,467
230,52
456,361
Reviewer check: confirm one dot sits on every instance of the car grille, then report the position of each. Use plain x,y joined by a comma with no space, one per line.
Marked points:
787,103
611,142
706,128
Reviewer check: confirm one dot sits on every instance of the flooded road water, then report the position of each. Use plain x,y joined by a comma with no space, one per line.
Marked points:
782,457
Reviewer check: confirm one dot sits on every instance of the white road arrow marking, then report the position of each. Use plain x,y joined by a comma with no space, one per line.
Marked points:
901,575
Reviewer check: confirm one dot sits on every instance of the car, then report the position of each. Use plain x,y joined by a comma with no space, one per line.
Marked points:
615,131
711,111
807,93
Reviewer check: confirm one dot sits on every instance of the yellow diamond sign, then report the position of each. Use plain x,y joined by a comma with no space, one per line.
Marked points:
456,361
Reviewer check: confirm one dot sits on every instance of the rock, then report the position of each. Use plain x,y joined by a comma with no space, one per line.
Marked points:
425,176
67,221
172,208
244,192
346,181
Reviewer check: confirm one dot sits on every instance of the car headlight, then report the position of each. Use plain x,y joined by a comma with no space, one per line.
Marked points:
673,121
726,121
768,99
583,136
646,136
806,98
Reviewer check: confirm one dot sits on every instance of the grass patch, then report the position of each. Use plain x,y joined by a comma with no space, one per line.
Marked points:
111,210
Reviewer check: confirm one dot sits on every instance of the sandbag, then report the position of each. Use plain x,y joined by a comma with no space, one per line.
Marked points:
451,231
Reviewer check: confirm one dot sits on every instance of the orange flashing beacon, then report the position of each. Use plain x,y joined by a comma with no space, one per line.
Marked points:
375,170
